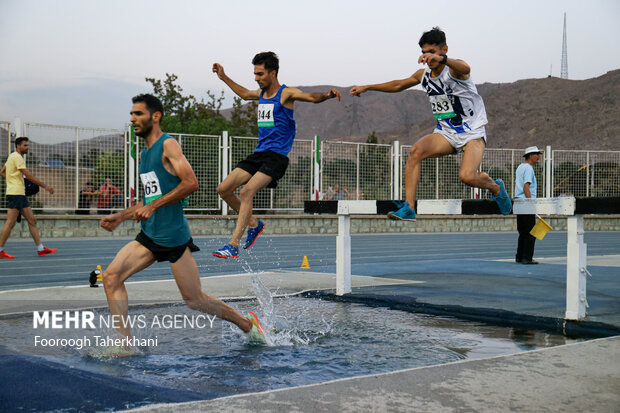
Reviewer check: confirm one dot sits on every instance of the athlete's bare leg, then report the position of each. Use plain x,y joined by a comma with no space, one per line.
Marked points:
132,258
468,173
430,146
255,184
227,188
187,277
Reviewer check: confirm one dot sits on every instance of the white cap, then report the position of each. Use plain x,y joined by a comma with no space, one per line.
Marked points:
531,149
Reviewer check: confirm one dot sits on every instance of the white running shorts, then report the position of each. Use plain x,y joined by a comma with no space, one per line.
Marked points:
459,140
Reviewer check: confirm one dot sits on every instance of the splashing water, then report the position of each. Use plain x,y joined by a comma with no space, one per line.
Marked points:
283,326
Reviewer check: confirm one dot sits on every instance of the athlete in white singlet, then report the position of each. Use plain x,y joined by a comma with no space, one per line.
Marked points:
460,114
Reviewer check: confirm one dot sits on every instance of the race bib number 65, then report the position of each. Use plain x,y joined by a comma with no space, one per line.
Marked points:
150,184
265,115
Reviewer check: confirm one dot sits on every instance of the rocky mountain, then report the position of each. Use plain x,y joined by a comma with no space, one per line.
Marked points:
566,114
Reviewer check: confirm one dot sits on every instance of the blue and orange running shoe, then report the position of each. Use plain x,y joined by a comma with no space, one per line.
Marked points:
256,334
253,233
227,251
403,214
502,199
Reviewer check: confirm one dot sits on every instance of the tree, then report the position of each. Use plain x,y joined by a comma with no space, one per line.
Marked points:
89,159
372,138
110,165
185,114
374,170
243,120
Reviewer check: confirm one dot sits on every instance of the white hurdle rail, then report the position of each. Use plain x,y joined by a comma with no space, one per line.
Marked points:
573,208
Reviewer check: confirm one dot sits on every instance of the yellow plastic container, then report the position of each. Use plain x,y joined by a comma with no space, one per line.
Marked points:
540,229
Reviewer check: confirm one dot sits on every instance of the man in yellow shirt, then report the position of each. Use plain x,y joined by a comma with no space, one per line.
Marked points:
14,172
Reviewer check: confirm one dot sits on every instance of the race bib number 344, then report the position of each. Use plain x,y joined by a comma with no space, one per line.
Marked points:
442,107
265,115
150,184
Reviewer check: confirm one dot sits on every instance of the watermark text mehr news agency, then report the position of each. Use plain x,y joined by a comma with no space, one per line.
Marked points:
88,319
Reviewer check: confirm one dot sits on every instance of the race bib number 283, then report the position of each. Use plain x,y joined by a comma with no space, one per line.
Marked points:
442,107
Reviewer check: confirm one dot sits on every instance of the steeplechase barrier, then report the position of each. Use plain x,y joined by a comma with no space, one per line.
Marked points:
572,208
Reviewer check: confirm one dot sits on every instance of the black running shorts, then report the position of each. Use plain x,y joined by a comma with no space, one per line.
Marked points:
162,253
269,162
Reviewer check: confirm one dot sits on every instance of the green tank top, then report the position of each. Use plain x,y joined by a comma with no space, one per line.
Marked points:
167,226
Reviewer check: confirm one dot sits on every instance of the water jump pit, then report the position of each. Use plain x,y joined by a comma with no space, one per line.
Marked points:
313,340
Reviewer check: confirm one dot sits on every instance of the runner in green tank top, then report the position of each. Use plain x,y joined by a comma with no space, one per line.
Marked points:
167,180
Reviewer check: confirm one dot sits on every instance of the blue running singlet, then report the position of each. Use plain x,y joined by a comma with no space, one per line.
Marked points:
276,125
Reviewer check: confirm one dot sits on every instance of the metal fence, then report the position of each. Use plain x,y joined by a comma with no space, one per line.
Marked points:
361,171
5,141
68,158
586,173
439,177
204,154
296,185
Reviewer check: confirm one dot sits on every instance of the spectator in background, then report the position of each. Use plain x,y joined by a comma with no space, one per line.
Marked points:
14,172
107,191
329,194
87,195
525,187
339,194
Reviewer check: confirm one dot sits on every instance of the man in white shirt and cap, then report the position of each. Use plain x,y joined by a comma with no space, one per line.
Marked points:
525,187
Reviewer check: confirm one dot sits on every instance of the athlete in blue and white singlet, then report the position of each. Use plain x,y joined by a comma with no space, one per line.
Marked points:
460,115
276,131
457,107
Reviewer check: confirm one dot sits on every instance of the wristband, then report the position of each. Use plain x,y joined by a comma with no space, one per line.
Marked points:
445,58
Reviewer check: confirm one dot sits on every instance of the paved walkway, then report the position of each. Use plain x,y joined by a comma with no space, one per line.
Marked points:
573,377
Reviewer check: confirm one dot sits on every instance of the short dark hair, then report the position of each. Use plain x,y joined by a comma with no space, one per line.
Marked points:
21,139
433,36
152,103
268,59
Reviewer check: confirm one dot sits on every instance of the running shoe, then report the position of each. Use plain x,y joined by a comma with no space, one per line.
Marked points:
227,251
403,214
502,199
46,251
256,334
253,233
4,255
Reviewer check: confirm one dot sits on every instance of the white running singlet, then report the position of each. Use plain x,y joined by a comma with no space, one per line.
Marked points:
456,104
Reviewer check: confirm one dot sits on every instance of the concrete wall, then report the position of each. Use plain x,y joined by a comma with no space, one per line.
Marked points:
67,226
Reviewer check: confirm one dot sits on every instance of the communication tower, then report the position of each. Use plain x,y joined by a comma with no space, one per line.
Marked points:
564,67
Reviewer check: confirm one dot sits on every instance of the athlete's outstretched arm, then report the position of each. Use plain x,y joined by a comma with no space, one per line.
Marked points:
242,92
293,94
182,169
390,87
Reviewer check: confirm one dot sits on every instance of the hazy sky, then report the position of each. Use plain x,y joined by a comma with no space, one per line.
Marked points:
78,62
